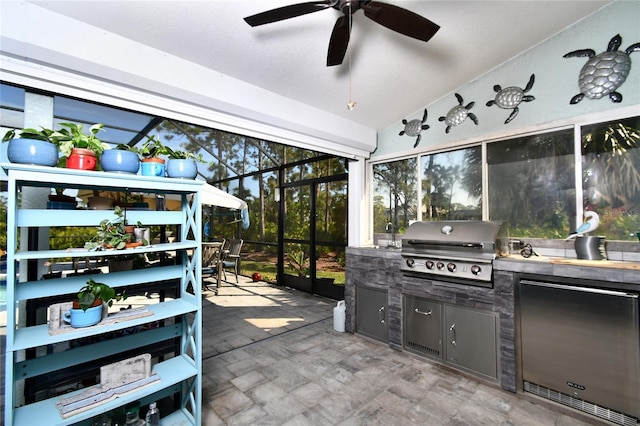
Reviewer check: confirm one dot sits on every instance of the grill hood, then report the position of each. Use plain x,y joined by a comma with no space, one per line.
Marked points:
458,238
460,251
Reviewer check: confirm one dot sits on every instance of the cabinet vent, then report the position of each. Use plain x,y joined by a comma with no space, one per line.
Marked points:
579,404
422,348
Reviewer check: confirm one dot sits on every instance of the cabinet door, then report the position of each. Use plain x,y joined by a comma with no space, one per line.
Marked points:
423,327
371,313
471,340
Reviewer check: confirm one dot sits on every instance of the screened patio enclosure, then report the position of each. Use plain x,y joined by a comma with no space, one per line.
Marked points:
296,198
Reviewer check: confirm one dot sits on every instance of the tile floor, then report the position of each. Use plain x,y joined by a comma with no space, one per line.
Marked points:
271,357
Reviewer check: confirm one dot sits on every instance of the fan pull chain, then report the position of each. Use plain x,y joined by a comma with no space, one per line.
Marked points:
351,104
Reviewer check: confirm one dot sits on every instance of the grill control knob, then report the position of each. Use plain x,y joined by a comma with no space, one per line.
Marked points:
475,270
440,266
429,264
451,267
411,263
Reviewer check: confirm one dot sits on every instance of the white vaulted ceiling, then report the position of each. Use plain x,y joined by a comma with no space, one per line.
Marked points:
392,75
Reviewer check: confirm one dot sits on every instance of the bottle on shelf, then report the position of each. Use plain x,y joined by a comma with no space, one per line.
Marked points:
153,415
132,417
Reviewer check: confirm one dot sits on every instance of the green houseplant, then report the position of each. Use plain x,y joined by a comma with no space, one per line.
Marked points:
112,233
96,293
87,308
32,146
80,150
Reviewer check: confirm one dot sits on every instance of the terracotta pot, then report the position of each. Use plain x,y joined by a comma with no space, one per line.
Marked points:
82,159
100,203
97,302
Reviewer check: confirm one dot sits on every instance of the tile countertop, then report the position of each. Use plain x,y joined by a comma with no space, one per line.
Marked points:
622,272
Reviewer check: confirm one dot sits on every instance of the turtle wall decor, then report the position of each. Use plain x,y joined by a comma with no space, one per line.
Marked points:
511,97
458,114
414,127
605,72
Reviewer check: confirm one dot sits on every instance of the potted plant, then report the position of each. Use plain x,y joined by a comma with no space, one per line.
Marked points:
51,274
81,150
182,164
113,234
122,159
32,146
87,308
302,280
151,150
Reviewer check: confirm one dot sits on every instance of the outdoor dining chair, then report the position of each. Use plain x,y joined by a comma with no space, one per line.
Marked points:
231,259
212,253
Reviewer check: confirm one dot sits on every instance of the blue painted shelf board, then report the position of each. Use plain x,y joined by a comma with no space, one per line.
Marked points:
45,412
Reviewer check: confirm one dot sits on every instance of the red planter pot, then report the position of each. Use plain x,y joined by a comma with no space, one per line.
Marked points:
82,159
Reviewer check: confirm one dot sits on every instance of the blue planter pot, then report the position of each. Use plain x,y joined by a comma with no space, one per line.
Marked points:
152,167
79,318
32,151
119,161
182,169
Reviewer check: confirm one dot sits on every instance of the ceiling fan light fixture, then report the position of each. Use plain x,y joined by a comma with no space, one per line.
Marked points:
351,104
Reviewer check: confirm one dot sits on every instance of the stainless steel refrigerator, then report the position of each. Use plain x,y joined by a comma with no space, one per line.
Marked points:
580,346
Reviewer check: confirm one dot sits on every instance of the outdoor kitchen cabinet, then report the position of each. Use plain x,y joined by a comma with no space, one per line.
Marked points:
371,313
470,337
461,337
176,319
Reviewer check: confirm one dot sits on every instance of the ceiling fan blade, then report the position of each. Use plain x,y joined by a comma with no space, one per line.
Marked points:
400,20
339,41
287,12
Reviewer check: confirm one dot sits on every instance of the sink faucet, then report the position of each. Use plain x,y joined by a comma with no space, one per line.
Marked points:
390,229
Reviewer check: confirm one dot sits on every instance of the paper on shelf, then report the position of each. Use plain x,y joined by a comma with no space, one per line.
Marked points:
100,394
58,326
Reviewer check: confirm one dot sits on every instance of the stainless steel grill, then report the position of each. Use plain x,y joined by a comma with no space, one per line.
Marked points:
457,251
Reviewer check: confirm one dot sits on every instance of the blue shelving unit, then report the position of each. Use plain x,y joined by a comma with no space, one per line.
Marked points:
180,374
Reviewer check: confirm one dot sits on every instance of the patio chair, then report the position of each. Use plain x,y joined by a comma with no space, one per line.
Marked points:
231,258
212,262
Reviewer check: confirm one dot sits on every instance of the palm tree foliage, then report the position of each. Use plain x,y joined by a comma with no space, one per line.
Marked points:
250,169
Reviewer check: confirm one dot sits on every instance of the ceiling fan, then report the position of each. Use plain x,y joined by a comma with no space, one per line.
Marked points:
393,17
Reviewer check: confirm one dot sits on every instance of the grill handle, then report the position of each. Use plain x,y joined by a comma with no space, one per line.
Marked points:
434,243
452,329
417,311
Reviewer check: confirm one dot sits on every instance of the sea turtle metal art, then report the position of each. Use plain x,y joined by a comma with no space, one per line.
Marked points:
458,114
511,97
414,127
605,72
